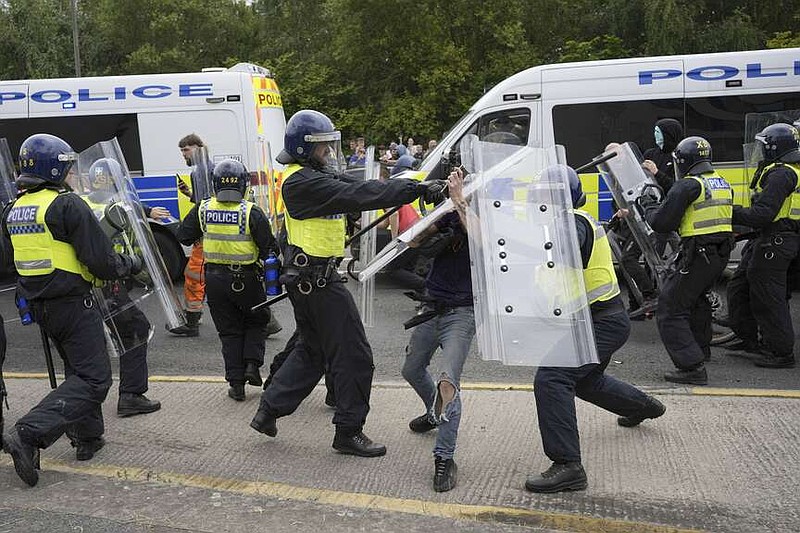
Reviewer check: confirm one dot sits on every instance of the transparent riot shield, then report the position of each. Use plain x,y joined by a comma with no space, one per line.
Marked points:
103,180
626,179
494,153
202,167
367,245
527,274
8,176
754,123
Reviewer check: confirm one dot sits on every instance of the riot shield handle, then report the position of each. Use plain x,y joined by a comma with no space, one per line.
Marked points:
596,161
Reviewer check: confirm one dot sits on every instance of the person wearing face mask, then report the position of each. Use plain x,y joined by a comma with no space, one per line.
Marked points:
332,340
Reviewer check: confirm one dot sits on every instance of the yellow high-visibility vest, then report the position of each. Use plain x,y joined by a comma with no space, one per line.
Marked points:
226,232
791,206
599,276
712,211
36,251
318,237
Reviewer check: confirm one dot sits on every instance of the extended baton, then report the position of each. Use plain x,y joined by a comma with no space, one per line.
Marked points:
48,358
270,302
596,161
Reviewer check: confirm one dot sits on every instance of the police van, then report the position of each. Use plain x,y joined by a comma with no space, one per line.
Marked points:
584,106
236,111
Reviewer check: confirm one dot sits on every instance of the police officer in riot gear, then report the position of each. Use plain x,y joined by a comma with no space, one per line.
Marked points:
699,206
131,323
236,239
317,197
59,250
757,292
555,388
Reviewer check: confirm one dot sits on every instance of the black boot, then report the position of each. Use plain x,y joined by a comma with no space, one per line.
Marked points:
357,444
252,375
264,423
130,404
696,376
775,361
273,326
25,457
559,477
192,326
653,409
85,449
236,391
444,475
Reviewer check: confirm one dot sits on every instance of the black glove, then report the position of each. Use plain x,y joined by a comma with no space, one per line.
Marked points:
135,264
432,191
651,196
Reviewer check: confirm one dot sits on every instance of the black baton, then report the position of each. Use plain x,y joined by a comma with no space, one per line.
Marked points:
270,302
48,358
596,161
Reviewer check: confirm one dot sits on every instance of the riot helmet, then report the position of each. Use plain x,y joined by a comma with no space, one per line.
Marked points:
102,179
780,142
311,140
230,180
692,156
557,173
46,157
405,162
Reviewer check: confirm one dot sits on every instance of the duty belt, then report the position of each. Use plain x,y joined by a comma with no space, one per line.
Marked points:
307,273
237,273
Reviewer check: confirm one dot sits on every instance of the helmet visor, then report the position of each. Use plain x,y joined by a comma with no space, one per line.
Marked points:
328,154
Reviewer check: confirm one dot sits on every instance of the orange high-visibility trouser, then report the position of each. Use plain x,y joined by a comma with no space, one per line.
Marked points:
194,281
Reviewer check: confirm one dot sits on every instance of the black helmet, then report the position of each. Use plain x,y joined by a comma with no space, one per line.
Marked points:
692,156
230,180
780,142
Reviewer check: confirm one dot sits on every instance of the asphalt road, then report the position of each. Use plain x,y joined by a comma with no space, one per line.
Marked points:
641,361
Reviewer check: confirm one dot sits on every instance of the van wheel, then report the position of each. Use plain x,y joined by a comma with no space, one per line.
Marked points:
172,253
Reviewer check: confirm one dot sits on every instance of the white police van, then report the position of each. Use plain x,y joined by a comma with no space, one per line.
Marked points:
232,110
584,106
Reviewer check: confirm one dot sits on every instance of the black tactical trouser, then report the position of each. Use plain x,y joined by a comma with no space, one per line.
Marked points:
684,312
631,252
242,332
332,338
292,345
555,390
75,326
134,331
757,292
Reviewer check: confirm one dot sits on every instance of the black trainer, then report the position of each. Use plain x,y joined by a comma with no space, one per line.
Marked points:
25,457
252,375
85,449
775,361
697,376
264,423
130,404
422,424
357,444
445,474
743,346
653,409
558,478
236,391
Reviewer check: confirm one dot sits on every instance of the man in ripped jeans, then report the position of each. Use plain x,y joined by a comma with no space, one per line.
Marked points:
447,320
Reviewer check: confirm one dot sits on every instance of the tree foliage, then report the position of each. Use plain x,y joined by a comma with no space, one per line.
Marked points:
382,68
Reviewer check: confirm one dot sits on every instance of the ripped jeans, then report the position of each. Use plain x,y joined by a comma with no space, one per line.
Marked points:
453,330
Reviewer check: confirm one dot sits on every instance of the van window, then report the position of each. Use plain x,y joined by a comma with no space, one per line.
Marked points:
720,119
80,132
585,129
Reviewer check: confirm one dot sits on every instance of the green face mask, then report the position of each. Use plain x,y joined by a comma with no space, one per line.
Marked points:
659,138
